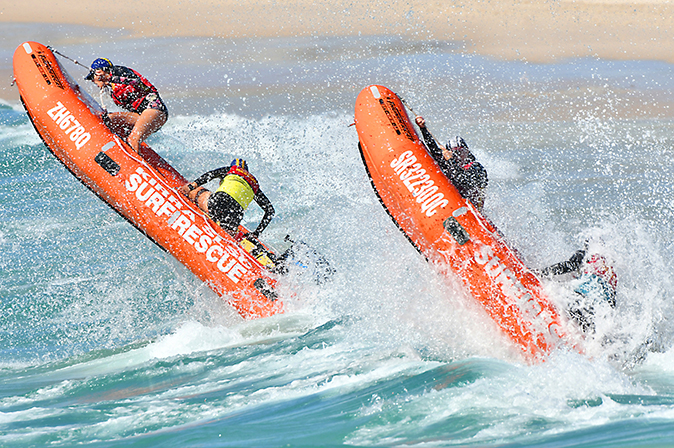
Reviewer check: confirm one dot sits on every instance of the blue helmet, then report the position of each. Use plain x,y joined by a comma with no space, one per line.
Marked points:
240,163
101,63
98,64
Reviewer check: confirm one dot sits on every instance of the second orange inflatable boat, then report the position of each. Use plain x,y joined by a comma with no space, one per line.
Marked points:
447,229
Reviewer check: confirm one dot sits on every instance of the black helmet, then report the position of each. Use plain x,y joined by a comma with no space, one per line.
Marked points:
457,142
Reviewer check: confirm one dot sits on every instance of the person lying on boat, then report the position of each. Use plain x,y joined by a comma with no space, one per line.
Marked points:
459,165
145,112
238,188
595,283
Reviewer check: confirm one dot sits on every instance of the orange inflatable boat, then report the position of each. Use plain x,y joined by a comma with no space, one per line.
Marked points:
447,229
140,187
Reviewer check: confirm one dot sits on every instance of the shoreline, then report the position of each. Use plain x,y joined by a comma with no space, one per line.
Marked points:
530,30
524,31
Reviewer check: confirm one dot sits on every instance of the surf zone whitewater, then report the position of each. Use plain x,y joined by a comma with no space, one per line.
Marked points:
109,340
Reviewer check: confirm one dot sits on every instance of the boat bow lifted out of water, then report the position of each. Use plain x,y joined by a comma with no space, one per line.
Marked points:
142,187
448,230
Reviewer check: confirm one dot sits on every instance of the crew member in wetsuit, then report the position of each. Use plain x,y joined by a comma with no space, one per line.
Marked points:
146,112
459,165
595,283
238,188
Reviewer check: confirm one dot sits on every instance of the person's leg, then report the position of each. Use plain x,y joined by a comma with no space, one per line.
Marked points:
200,197
122,123
149,122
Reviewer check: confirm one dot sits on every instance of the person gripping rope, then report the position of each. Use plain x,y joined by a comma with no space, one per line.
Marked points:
237,189
145,112
459,165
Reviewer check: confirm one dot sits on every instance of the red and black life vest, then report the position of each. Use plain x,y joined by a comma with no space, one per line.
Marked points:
130,93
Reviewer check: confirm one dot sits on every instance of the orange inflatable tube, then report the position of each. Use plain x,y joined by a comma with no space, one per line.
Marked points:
140,187
447,229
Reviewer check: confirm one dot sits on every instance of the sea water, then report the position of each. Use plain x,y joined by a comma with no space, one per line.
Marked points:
106,340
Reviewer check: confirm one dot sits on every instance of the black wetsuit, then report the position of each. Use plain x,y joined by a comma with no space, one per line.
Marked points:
564,267
467,174
581,311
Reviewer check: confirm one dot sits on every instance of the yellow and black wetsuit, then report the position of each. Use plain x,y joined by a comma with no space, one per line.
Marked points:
238,188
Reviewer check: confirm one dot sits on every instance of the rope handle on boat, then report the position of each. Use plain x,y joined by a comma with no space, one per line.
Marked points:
54,50
407,105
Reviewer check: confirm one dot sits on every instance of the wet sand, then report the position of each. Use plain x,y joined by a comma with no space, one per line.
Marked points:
536,31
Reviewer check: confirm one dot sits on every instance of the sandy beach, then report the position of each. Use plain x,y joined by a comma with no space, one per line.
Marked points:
536,31
528,31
